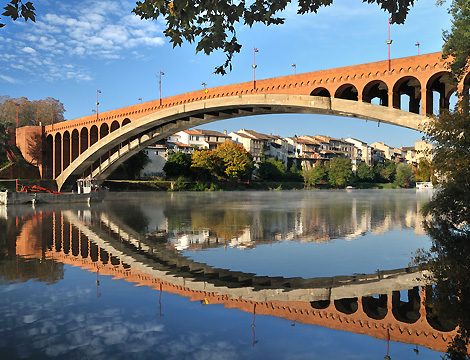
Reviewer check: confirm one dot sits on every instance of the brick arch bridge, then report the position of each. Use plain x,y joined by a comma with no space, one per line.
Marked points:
95,145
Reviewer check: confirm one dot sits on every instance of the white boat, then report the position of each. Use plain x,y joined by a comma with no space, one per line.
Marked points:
87,192
424,185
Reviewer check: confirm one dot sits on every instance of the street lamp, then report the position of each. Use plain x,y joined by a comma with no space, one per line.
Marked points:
160,73
205,89
255,50
140,99
295,68
97,102
417,44
389,42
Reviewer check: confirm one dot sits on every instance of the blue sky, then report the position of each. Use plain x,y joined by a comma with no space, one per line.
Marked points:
73,50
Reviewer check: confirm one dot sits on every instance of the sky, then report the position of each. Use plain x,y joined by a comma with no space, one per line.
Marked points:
71,51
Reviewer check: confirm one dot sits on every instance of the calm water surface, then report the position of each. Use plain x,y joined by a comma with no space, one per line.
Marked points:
217,275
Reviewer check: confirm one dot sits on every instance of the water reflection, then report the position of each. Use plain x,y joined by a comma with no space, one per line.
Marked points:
448,225
386,304
200,220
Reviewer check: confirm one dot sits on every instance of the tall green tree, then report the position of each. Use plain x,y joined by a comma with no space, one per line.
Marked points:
340,172
178,164
271,170
364,172
212,24
403,175
450,133
457,41
315,175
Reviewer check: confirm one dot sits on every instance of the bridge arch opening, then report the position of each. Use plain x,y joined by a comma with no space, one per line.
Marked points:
66,149
104,130
407,88
406,311
126,121
75,144
93,134
439,90
49,157
376,92
320,304
375,307
93,139
346,306
321,91
58,154
437,322
347,92
114,126
83,139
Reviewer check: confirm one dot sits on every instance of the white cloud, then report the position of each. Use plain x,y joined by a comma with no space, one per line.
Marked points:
29,50
91,29
7,79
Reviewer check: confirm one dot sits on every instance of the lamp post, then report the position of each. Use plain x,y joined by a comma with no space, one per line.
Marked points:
417,44
389,42
97,102
205,89
255,50
295,68
160,73
140,99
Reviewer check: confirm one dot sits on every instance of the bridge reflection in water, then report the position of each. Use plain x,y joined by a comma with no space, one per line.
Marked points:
364,304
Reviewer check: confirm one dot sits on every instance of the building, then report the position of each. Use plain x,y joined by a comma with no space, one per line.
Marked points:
157,155
257,144
362,152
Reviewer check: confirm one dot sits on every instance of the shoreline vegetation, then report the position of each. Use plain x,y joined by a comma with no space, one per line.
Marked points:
181,185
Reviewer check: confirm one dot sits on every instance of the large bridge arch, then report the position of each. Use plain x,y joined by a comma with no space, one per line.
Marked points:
128,140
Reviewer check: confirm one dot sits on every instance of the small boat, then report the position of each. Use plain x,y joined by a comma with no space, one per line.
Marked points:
87,191
424,185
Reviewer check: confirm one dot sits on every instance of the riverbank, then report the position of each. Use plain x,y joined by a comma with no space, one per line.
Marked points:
160,185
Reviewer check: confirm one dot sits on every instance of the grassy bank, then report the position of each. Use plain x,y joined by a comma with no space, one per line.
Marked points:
159,185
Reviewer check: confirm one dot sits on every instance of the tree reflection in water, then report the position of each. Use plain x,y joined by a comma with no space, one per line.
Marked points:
447,222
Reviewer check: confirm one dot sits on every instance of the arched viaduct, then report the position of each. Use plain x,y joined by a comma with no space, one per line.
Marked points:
95,145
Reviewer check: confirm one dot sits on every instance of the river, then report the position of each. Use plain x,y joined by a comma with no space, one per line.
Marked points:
218,275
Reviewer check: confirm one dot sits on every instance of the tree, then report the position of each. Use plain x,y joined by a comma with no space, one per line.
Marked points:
28,112
450,134
365,172
403,175
315,175
385,173
237,162
423,172
16,9
206,164
131,168
456,43
178,164
271,169
340,172
212,24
